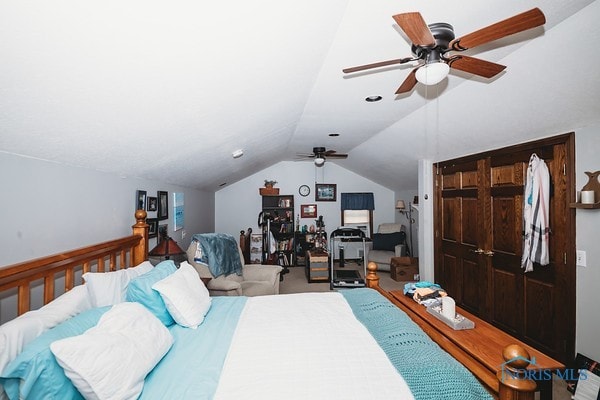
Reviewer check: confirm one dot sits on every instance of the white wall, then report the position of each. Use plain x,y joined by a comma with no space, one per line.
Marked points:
237,206
587,145
47,207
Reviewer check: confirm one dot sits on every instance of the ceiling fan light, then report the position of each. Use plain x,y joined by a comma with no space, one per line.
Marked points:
319,161
432,73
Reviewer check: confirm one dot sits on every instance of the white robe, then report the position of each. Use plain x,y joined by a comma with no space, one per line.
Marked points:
536,219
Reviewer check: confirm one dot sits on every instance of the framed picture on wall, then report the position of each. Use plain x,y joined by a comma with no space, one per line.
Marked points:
178,215
140,199
325,192
153,227
308,211
152,203
163,205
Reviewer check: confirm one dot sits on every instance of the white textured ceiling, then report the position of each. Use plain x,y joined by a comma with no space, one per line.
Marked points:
168,90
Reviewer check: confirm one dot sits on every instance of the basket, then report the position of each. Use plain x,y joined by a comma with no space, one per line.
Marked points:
268,191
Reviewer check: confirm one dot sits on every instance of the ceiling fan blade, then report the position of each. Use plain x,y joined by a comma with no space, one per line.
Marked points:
415,28
409,83
475,66
377,65
518,23
335,155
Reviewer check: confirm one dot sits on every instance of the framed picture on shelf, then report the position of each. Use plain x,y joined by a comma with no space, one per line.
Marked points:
308,211
325,192
153,229
152,203
140,200
163,205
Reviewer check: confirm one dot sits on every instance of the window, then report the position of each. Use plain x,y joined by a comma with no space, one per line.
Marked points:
361,219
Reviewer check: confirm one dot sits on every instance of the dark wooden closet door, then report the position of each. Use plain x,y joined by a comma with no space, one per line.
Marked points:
479,246
461,272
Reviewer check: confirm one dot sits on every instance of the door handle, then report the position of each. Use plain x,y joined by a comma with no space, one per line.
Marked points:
478,251
489,253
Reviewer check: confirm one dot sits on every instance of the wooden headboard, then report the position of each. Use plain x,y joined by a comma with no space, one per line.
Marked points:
108,256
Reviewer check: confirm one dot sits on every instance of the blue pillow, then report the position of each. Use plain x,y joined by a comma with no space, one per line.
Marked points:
140,290
35,374
388,241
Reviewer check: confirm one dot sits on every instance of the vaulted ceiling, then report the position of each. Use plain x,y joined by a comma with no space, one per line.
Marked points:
168,90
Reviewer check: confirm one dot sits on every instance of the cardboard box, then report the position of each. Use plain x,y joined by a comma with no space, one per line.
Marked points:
404,269
404,261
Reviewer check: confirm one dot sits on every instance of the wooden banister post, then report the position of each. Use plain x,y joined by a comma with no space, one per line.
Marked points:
140,251
372,278
514,382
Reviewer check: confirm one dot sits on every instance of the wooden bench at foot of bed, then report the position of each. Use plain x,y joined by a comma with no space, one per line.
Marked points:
483,350
119,254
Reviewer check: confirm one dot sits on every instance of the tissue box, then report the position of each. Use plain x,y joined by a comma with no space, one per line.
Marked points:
403,269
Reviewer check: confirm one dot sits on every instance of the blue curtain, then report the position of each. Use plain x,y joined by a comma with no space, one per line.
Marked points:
358,201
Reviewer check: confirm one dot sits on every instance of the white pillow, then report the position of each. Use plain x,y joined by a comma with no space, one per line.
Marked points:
185,296
108,288
17,333
139,269
112,359
68,305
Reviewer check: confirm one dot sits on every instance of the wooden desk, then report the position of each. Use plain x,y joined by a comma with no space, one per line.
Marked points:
482,344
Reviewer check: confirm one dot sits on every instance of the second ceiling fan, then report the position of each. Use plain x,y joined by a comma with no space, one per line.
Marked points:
431,45
320,154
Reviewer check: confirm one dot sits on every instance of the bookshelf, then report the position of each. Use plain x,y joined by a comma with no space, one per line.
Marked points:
280,210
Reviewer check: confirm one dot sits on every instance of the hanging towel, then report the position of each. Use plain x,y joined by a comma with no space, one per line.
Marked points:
536,219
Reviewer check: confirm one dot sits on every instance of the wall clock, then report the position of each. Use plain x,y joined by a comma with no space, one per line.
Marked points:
304,190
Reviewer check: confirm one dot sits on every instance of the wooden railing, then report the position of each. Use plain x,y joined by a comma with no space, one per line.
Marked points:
118,253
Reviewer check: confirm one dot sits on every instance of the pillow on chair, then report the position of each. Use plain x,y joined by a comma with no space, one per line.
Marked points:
388,241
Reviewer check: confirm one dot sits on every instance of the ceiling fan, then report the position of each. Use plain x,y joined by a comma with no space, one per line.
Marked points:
320,154
431,45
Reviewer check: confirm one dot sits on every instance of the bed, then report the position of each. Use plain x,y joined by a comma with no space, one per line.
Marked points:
352,344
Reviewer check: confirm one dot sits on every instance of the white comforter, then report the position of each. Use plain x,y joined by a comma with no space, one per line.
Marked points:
324,350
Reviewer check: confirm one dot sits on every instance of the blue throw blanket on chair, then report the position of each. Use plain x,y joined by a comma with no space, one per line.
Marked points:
220,252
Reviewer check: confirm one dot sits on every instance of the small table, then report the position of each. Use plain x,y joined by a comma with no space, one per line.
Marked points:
483,344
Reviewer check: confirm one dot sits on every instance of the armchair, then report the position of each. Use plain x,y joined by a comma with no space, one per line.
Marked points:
388,242
256,280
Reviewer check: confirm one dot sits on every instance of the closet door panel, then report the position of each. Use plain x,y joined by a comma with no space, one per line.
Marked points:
469,222
472,283
449,269
540,313
506,290
451,229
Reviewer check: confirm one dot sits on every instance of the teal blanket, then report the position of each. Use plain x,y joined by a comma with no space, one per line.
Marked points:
430,372
221,253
